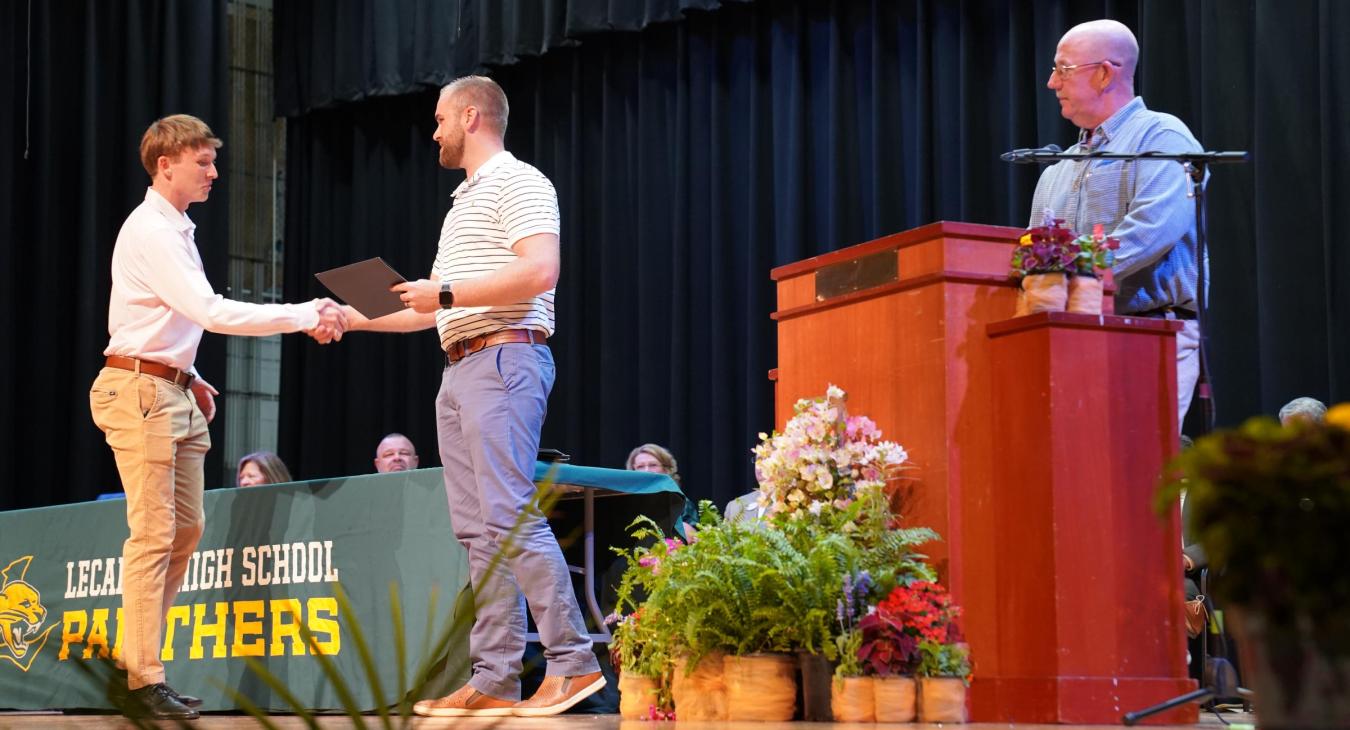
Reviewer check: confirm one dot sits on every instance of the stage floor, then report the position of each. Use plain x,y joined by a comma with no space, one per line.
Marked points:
566,722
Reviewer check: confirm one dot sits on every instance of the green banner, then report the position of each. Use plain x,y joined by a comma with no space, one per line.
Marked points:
271,558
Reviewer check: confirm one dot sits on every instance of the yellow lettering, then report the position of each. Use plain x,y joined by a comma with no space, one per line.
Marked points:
281,608
98,634
243,629
177,615
201,629
117,642
321,626
73,624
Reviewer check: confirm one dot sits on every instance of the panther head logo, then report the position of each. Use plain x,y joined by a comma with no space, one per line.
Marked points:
21,616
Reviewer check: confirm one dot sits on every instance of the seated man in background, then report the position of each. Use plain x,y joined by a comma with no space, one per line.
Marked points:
395,453
744,508
1307,409
261,467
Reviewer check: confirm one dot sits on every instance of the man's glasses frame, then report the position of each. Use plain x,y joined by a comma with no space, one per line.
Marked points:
1064,69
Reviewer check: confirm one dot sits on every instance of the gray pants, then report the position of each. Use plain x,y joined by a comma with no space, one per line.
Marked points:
489,412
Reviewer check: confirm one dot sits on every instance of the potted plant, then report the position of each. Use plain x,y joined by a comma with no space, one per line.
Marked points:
1093,253
1269,503
641,647
851,692
639,656
944,675
911,616
1042,261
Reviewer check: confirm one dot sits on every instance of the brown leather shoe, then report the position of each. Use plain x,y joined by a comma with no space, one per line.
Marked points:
465,702
557,694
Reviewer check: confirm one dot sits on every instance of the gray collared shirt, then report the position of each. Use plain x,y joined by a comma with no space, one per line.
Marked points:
1145,204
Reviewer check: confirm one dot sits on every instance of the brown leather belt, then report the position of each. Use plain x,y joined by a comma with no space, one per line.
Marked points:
181,378
459,350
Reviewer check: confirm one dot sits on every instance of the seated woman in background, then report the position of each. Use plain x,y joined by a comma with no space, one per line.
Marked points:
262,467
656,459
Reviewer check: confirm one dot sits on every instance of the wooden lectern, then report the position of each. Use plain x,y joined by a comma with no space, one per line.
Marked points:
1036,445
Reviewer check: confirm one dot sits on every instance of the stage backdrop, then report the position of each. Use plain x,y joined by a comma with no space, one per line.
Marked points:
692,156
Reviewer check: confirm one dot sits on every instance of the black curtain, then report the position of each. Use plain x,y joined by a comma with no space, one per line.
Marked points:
363,48
694,156
79,83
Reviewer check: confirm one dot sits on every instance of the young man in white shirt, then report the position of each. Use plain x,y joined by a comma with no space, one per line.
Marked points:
150,402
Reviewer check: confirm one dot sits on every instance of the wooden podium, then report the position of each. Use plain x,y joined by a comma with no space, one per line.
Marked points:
1036,445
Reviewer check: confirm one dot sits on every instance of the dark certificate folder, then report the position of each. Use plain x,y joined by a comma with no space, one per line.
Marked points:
365,286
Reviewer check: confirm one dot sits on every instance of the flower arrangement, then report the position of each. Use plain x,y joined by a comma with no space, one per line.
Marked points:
822,459
1045,249
912,623
1266,500
1094,252
1051,248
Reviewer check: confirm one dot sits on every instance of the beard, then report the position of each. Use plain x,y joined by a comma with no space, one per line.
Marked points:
452,153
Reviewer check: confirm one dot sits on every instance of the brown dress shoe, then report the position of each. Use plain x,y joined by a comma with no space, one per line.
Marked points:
557,694
465,702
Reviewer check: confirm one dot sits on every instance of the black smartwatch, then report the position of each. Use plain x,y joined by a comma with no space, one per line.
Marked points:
447,296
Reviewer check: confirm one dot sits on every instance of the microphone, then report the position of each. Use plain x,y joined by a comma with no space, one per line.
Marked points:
1027,155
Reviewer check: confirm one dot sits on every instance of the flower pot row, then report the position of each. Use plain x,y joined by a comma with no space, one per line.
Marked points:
898,699
1059,292
763,687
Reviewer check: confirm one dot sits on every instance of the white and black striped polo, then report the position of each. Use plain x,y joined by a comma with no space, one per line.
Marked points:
505,200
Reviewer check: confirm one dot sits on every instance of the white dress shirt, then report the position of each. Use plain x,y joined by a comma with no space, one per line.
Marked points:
161,301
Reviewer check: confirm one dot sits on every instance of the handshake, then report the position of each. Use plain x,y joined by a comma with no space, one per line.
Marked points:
333,321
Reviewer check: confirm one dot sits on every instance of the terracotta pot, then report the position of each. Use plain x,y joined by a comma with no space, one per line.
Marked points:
896,699
815,684
853,699
760,687
1085,295
942,699
637,695
700,694
1042,293
1296,684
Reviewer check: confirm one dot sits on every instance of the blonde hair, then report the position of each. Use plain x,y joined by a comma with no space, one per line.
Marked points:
273,469
168,137
661,454
485,95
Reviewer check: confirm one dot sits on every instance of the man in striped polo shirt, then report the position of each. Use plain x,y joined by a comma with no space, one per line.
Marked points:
490,295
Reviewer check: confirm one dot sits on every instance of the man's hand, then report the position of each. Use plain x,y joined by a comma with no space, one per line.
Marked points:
422,296
355,320
205,393
332,321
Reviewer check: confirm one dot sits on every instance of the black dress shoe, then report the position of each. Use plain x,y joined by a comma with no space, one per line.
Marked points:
156,702
188,700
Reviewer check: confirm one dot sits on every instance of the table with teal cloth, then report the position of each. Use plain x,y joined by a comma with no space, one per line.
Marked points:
272,556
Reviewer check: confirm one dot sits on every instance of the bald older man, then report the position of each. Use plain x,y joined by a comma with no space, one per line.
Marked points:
1145,203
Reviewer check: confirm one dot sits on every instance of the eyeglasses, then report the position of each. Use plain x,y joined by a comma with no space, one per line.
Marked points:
1064,69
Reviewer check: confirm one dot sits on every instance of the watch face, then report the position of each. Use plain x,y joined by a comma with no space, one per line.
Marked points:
447,296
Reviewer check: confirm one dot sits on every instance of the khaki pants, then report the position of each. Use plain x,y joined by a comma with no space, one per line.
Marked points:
159,438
